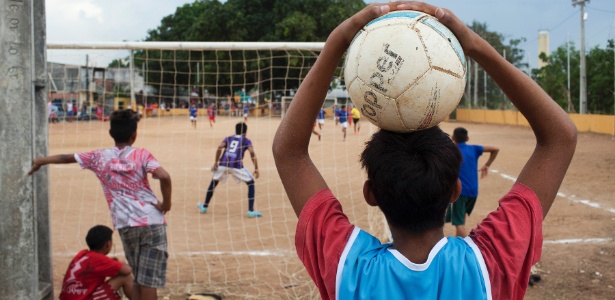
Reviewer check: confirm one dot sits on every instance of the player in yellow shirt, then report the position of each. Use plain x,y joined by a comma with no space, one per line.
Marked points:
356,117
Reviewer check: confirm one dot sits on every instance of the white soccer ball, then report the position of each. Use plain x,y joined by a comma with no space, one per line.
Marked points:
405,71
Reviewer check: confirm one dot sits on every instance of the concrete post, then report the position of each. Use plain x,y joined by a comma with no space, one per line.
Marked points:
25,256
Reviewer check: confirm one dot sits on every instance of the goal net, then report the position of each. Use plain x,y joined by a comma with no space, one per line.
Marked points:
222,251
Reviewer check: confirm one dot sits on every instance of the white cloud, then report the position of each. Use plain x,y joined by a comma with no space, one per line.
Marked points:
75,10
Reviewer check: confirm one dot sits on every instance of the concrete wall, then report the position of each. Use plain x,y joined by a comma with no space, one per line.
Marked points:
603,124
25,256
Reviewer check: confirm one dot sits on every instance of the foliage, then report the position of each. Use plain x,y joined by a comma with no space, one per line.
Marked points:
553,78
119,63
491,96
171,72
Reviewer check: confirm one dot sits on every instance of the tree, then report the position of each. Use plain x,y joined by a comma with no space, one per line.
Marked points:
554,76
491,96
173,72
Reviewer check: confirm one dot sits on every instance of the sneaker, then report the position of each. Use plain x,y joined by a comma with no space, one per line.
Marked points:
202,207
254,214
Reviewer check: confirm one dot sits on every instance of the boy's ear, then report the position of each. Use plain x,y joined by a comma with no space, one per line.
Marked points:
368,194
456,191
108,246
134,136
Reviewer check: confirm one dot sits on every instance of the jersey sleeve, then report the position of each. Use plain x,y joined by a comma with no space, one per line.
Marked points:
149,161
479,150
510,240
322,233
106,267
247,143
86,159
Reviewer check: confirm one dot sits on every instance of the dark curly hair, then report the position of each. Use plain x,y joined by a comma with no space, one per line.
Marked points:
412,176
123,124
98,236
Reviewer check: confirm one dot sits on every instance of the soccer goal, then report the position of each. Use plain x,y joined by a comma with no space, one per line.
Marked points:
222,251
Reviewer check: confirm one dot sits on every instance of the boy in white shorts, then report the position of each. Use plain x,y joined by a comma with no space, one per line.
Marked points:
343,119
231,163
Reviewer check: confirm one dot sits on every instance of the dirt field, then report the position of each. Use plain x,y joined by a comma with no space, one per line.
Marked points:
225,252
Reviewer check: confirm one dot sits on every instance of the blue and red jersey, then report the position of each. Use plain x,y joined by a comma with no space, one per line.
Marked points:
193,111
494,262
236,146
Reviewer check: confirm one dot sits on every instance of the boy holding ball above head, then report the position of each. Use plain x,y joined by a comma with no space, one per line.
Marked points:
135,211
413,177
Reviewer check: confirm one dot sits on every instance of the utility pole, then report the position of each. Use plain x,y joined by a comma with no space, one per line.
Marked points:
583,83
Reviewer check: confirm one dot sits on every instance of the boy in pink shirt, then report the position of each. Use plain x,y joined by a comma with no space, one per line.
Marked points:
135,211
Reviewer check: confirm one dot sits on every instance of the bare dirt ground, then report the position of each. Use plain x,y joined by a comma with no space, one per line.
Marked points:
226,253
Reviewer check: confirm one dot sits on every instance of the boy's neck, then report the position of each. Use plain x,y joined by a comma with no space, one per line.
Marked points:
416,248
101,251
122,145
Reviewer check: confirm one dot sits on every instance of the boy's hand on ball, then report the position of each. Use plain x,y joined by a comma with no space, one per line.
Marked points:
467,37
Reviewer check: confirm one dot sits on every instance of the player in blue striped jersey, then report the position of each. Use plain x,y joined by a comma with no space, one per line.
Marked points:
229,161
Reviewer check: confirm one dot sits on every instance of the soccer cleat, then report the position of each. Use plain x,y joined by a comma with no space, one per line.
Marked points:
202,207
254,214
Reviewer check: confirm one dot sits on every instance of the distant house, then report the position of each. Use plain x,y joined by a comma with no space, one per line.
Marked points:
91,85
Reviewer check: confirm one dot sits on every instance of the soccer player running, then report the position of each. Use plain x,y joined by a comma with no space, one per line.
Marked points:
321,119
246,110
211,112
356,117
343,119
412,177
231,163
468,175
193,114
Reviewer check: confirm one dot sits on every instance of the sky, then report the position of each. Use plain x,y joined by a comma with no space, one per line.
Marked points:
130,20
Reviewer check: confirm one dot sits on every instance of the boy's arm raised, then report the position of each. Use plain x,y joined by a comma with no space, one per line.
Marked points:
37,163
556,134
299,175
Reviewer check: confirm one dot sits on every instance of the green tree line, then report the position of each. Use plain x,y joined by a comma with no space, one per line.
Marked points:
312,21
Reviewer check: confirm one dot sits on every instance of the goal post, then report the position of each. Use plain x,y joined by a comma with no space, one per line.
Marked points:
25,247
221,251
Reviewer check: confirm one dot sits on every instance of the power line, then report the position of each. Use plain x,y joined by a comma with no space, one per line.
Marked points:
602,10
554,27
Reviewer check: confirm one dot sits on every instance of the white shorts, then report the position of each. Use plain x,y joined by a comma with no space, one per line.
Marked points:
245,115
321,121
344,124
243,174
192,118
